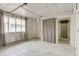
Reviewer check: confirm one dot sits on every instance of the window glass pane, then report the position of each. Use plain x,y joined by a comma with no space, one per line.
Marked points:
11,27
23,25
18,21
18,25
5,23
6,27
18,29
12,20
23,28
5,19
23,22
11,24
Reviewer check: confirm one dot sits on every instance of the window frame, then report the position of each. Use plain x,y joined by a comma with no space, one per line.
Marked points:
15,18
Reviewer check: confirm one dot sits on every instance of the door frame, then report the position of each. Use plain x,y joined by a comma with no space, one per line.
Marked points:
68,29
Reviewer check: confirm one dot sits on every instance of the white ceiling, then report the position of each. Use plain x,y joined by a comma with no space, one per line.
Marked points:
42,9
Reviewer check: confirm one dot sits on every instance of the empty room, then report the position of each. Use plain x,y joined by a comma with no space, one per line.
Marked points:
39,29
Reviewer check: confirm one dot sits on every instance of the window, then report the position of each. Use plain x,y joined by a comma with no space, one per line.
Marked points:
5,24
18,25
23,25
11,24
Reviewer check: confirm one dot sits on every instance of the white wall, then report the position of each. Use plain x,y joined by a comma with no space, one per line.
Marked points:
38,28
33,28
72,31
57,31
76,30
11,37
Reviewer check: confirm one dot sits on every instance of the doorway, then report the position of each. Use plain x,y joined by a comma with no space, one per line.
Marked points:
64,31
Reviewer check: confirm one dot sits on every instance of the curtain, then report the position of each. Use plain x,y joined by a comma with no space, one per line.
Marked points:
2,40
49,30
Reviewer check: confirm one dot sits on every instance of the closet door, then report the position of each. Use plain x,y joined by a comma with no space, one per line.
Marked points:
49,30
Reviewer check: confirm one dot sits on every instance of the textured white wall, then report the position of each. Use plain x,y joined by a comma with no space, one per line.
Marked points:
11,37
33,28
72,31
38,28
30,28
76,30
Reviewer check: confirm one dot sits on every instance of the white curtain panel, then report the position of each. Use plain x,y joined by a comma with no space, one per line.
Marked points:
2,40
49,30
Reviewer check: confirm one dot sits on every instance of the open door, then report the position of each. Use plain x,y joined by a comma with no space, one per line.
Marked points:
49,30
64,31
